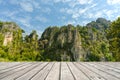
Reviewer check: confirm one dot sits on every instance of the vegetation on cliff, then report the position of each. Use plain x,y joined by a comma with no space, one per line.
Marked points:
97,41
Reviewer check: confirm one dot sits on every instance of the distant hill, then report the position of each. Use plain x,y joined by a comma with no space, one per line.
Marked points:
7,29
64,43
75,43
96,41
100,23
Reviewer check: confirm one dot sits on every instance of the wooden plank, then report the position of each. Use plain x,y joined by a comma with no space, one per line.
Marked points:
77,73
5,65
115,65
5,74
98,71
114,68
41,75
12,68
55,72
65,72
60,71
21,72
109,70
31,72
91,75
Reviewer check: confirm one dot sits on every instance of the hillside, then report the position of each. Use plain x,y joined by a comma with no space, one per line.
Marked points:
100,24
8,29
65,43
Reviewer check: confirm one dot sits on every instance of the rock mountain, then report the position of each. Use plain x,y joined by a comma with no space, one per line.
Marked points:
66,43
7,29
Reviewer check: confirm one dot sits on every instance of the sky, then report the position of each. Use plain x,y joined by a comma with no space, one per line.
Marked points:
40,14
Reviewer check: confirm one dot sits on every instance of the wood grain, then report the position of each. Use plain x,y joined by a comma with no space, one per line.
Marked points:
59,70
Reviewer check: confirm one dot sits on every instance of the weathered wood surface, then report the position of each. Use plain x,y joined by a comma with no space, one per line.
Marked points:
59,70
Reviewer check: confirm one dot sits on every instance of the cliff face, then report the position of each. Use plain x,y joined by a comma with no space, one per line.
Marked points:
75,43
77,47
64,42
100,24
8,38
7,29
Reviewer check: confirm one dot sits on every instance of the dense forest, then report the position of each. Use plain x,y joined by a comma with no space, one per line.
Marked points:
97,41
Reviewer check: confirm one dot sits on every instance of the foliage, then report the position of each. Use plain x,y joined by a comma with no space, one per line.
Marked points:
113,35
20,49
99,42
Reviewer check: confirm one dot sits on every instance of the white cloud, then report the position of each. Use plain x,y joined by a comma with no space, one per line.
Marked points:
89,15
47,2
112,2
31,5
98,14
64,1
85,1
77,11
106,13
67,10
109,13
94,15
81,11
70,22
62,10
14,2
63,17
56,1
25,21
75,16
83,23
41,19
70,11
93,5
36,4
46,10
27,6
39,33
11,13
73,3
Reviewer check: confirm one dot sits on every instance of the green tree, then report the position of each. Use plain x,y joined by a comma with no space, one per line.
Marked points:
113,35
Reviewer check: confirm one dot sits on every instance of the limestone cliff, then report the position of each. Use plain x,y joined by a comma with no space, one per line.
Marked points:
64,42
77,48
7,29
8,38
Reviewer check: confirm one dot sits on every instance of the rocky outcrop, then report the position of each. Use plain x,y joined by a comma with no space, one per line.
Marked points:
100,24
8,38
66,42
77,48
7,29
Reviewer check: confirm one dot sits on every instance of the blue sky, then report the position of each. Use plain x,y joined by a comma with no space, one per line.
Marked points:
39,14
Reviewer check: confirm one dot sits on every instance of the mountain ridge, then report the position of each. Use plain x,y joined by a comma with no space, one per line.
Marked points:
65,43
